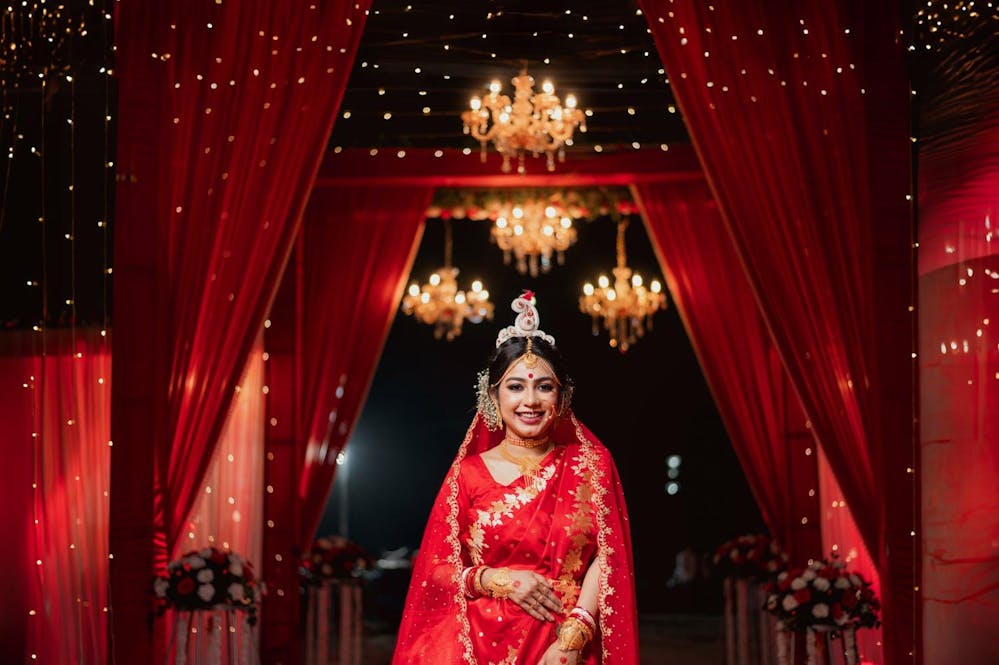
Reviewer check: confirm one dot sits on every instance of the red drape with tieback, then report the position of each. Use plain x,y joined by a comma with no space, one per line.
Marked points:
359,245
572,515
761,413
327,329
799,113
224,113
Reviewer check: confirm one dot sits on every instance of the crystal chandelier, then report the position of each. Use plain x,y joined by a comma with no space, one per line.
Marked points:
626,308
532,232
534,123
440,304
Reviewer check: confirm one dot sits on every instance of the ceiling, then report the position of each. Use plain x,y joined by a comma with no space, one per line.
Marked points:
419,63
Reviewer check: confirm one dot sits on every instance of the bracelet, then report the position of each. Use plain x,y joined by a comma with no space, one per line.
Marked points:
477,587
573,634
464,581
499,585
584,615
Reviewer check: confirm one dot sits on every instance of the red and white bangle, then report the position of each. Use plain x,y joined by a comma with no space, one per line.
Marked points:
471,581
465,587
584,615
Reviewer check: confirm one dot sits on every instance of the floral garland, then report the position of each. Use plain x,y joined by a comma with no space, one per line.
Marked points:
334,558
490,204
206,579
751,556
823,595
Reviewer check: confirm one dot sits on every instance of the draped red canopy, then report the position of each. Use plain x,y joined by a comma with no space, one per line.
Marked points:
225,111
211,208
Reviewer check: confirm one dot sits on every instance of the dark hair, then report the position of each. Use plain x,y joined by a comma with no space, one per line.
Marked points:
509,351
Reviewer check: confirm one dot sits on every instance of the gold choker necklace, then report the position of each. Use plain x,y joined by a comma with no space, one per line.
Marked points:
524,443
529,465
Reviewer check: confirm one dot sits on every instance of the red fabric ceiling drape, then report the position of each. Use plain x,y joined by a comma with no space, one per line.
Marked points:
56,409
327,330
224,112
762,415
797,111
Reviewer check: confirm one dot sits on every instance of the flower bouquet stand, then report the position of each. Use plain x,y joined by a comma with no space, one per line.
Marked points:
334,605
822,605
333,613
746,563
213,599
212,637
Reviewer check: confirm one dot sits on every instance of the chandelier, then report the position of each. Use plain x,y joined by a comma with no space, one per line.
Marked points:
532,232
534,123
440,304
626,308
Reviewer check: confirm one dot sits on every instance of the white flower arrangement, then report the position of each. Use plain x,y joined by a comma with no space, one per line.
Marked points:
206,579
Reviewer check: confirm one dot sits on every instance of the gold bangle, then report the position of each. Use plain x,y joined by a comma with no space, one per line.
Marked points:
477,581
573,635
499,585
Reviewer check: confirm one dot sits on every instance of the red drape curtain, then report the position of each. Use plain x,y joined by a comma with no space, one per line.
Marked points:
327,329
359,244
230,503
762,416
797,111
57,411
224,112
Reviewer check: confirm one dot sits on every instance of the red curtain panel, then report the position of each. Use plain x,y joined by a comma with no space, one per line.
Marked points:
799,115
56,409
327,330
761,414
224,113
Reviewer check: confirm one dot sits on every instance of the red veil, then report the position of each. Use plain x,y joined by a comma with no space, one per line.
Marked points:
435,628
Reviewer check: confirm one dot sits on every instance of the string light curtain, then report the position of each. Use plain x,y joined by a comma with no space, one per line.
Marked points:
814,97
761,414
56,408
328,327
225,109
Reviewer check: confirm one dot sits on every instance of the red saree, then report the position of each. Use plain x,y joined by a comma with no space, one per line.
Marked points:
573,514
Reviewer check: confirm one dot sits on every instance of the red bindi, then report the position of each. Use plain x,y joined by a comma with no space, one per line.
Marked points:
563,659
516,584
530,376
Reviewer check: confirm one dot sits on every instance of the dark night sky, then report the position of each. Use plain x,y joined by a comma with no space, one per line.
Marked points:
645,405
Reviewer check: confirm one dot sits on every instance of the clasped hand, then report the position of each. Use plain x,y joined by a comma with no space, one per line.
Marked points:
534,594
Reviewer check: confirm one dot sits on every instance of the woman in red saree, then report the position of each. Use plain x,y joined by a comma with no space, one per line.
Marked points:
526,558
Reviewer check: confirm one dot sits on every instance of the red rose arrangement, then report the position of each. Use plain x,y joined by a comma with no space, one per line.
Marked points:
206,579
823,594
334,557
752,556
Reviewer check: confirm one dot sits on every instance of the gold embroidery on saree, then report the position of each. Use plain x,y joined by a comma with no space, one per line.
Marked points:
453,539
501,509
578,531
603,550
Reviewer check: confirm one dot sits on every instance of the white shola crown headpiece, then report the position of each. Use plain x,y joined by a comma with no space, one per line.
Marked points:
527,321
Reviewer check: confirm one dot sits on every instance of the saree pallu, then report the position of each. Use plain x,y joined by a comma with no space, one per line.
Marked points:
572,514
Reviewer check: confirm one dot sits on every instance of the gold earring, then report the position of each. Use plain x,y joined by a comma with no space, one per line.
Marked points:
486,404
